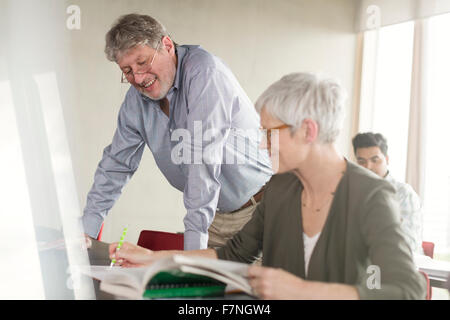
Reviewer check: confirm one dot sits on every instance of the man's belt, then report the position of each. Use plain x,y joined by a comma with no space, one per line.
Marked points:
257,196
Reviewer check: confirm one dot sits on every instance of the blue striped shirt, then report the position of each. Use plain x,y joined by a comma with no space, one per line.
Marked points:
207,147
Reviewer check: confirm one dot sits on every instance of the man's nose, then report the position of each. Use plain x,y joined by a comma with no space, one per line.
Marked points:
139,78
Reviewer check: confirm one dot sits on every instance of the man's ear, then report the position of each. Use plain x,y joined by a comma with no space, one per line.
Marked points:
387,159
168,45
311,130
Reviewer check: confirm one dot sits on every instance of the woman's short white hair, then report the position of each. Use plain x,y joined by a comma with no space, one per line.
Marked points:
299,96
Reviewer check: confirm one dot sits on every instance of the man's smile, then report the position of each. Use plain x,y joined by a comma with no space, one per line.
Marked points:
147,84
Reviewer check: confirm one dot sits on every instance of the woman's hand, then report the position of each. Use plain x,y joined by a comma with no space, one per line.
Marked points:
270,283
130,255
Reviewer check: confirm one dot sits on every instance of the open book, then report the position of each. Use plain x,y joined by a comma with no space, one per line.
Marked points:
174,276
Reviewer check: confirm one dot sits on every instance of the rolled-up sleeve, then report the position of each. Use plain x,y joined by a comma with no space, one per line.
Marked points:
210,102
119,162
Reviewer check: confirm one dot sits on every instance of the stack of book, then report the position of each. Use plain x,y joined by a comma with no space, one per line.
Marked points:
173,277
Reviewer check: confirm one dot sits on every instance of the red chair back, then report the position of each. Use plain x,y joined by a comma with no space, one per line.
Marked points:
428,248
428,297
159,240
99,237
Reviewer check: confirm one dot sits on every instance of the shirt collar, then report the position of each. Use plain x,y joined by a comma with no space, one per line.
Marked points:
180,52
388,176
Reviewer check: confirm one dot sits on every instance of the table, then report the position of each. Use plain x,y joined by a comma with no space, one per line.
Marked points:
438,282
438,271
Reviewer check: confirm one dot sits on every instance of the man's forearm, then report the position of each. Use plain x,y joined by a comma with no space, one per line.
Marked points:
204,253
91,224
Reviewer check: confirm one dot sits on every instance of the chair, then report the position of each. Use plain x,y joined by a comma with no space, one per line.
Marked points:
99,237
428,248
159,240
429,293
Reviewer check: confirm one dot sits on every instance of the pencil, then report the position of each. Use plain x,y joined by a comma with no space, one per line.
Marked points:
113,261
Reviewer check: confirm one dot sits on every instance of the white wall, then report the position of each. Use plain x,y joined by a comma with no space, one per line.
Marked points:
260,40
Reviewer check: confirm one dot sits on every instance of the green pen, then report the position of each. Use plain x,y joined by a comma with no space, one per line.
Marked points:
113,261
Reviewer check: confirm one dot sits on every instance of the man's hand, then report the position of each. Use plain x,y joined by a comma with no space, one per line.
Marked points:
88,241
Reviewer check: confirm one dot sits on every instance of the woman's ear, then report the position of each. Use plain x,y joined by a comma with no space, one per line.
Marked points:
311,130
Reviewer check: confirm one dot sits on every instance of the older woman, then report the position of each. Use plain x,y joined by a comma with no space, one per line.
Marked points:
328,229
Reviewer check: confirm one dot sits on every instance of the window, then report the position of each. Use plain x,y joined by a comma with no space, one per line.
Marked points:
21,272
387,111
385,108
437,152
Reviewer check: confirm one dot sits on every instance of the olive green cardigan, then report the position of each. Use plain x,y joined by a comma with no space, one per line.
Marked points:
361,230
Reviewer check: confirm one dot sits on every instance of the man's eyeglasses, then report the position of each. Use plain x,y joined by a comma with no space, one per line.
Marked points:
126,77
268,133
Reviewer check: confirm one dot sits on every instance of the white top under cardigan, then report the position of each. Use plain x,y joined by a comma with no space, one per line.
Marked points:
309,244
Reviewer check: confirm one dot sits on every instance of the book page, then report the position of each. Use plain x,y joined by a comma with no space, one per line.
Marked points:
222,266
132,277
227,280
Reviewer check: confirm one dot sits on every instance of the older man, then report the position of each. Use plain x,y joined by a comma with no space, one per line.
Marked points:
371,152
187,106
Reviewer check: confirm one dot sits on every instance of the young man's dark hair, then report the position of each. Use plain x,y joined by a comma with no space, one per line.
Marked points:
370,139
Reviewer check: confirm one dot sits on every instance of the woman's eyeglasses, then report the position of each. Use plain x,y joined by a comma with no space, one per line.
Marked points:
268,133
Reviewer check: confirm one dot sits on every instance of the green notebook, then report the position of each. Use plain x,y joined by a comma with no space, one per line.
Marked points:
175,283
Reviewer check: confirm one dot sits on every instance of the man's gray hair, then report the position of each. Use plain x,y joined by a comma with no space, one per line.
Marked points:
131,30
299,96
